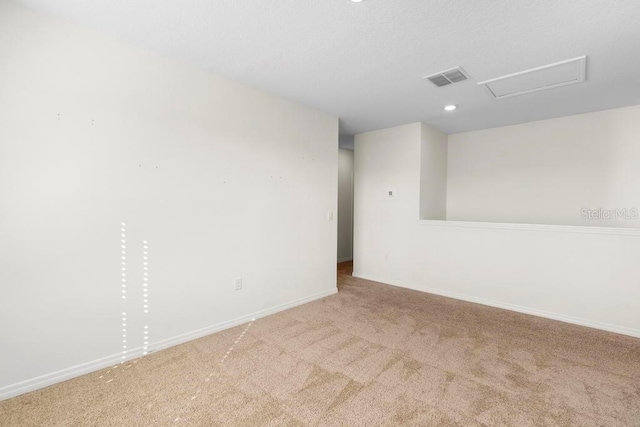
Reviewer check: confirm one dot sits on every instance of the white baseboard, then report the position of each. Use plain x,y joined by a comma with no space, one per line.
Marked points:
42,381
507,306
345,259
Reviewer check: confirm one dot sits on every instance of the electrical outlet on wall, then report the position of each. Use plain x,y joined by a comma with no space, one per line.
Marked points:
237,283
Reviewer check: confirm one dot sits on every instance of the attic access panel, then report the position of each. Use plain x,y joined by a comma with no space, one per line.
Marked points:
550,76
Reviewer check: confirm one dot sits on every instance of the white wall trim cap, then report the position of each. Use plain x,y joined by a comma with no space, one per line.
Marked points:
614,231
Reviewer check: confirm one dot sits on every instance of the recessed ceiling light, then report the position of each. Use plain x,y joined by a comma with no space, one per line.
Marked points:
356,1
450,107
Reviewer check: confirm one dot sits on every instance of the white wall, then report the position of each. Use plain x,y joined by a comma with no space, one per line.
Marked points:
385,160
546,172
345,205
565,273
433,174
222,180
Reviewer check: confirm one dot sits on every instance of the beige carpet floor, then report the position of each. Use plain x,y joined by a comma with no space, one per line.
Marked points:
371,355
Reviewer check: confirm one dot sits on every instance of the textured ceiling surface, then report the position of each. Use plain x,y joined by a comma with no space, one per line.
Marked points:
364,62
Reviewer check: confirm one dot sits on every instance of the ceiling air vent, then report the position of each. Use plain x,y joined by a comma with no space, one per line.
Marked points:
550,76
446,77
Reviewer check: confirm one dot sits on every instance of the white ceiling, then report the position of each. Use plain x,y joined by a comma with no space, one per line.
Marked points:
364,62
